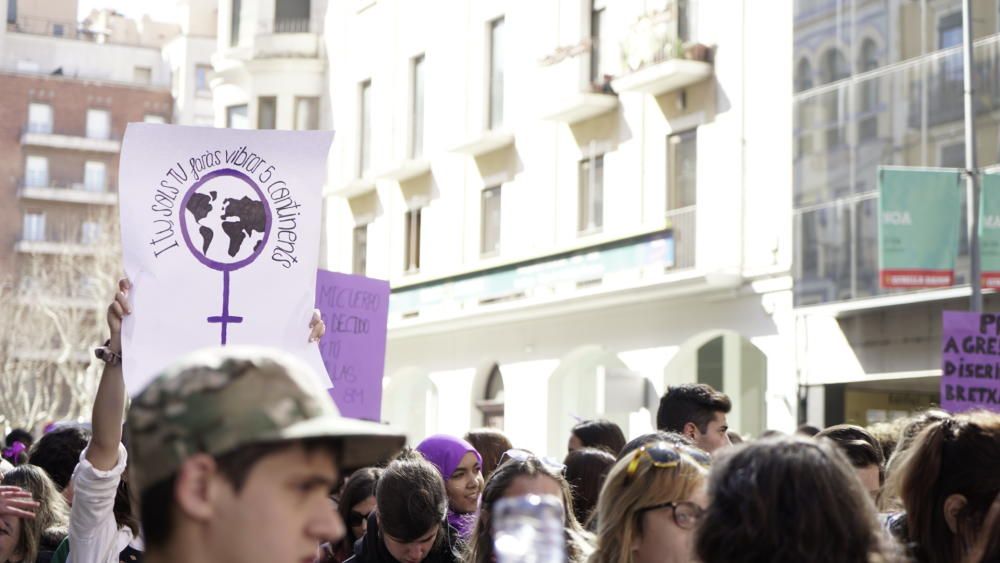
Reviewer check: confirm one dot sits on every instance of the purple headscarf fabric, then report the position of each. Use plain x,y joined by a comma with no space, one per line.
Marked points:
445,453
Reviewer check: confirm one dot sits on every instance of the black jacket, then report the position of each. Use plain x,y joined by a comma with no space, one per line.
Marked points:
371,548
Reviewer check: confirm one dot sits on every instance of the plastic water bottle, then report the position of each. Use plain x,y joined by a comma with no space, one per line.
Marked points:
529,529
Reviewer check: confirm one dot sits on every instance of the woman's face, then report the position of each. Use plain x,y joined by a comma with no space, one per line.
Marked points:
10,531
359,516
465,485
661,540
414,551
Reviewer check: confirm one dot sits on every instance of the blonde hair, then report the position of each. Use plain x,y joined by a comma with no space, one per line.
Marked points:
51,516
623,497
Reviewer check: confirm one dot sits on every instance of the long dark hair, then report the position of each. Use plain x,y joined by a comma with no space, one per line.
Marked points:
586,470
480,546
956,456
788,499
360,486
601,434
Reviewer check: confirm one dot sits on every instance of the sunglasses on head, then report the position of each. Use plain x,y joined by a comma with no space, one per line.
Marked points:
520,455
665,456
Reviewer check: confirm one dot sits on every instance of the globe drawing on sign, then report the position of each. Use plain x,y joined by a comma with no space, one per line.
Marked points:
225,221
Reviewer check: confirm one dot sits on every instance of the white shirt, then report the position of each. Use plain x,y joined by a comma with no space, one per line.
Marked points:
94,536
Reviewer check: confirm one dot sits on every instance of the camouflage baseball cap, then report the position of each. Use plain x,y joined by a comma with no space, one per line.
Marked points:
218,400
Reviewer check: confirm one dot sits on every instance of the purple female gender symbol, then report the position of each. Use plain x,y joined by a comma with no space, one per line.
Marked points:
225,318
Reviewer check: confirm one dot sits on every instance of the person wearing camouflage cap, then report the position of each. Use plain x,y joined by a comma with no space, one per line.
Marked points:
232,452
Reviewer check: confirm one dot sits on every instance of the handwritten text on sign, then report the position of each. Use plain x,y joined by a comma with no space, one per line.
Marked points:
355,310
970,361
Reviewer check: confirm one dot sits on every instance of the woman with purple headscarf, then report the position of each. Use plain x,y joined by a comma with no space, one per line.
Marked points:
461,467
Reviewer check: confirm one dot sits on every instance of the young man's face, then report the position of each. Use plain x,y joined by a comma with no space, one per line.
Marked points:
715,436
282,512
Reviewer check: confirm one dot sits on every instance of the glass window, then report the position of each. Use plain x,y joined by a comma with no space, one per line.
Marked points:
201,79
496,47
234,23
39,118
411,261
291,16
267,112
417,120
12,11
90,232
490,229
98,124
36,172
591,195
152,118
833,66
95,176
236,117
803,75
143,75
596,49
306,113
34,226
58,29
365,129
682,169
360,250
950,35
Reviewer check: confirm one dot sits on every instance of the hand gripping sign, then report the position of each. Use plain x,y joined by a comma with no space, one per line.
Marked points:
199,202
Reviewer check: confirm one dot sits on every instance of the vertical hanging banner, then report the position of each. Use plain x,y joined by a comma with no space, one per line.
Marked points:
970,361
989,230
356,311
220,238
918,227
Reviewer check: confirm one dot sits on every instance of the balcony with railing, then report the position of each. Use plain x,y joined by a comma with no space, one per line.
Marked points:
40,188
43,135
659,54
937,93
567,91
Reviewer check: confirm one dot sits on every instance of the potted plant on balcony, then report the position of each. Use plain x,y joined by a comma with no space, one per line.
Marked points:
698,52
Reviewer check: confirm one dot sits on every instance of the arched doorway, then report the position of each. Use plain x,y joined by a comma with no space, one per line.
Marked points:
730,363
591,382
410,402
490,397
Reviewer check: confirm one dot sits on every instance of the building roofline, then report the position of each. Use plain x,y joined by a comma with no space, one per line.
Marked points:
87,81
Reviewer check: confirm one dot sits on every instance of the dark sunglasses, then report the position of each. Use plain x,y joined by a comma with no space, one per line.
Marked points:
520,455
355,518
686,514
665,456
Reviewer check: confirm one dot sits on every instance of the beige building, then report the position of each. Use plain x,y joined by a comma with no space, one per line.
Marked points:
576,202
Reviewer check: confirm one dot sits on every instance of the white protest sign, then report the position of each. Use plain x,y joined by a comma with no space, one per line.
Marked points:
220,236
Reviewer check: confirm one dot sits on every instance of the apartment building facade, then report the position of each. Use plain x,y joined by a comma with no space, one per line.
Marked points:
877,82
574,204
269,65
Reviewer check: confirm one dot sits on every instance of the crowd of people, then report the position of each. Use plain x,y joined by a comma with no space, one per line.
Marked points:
234,455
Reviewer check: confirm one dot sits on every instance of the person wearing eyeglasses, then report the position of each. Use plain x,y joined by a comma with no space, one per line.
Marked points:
521,473
356,503
651,504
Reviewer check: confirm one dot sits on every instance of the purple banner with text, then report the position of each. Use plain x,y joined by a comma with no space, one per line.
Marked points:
355,310
970,361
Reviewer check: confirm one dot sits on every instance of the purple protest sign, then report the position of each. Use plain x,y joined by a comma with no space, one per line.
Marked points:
355,310
970,361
